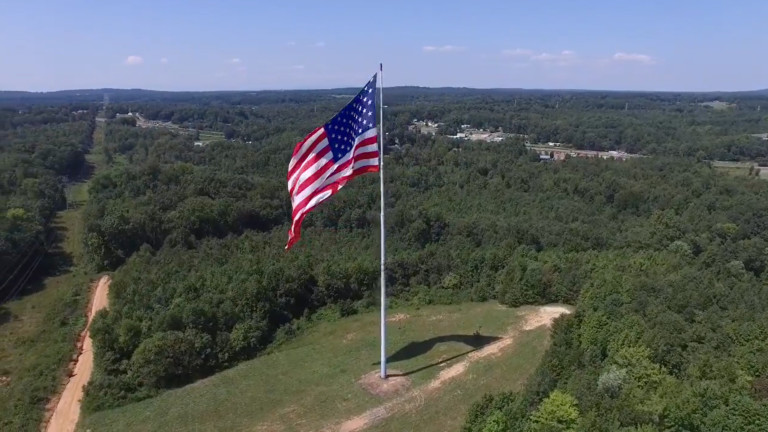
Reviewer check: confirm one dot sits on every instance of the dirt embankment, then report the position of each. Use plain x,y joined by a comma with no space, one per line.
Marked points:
66,408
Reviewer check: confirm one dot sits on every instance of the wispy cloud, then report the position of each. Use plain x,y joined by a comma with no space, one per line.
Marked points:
442,49
164,60
291,43
320,44
133,60
235,61
564,58
517,52
297,67
633,57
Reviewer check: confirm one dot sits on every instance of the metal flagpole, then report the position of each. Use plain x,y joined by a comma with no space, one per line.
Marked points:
383,236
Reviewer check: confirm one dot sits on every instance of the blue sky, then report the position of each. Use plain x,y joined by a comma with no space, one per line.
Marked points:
234,45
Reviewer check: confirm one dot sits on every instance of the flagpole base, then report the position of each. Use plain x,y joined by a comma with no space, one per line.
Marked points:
395,384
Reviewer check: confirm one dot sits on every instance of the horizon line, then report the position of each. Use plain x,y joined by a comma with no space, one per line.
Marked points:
102,89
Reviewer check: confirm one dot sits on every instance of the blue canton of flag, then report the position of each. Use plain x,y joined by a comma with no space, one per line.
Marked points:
355,118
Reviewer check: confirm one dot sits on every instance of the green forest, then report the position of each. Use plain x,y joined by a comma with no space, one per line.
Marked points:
671,124
40,151
664,258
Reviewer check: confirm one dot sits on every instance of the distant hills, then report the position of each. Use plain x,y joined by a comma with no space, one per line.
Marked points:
13,98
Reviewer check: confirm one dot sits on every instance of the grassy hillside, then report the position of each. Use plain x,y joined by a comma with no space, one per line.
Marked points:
310,382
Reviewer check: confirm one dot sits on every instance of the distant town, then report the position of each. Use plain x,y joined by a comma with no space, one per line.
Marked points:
547,151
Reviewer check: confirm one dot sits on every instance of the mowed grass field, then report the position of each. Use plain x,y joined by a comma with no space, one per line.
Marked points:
739,169
310,382
207,136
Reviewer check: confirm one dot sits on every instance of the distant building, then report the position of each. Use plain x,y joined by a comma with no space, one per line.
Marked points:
426,127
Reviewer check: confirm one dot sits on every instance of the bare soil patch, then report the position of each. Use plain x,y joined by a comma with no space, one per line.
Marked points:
394,384
398,317
545,315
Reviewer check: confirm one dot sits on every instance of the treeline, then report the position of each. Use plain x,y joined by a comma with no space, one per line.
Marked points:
661,340
671,124
40,150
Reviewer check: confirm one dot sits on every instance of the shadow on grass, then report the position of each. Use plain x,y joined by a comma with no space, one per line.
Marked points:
32,270
5,315
417,349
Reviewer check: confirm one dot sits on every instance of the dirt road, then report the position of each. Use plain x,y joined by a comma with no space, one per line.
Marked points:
67,411
540,316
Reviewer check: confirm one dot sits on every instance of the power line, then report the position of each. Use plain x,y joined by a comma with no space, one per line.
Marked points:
34,244
10,278
23,281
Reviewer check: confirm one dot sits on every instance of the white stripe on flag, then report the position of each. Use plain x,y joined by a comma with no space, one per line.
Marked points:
307,144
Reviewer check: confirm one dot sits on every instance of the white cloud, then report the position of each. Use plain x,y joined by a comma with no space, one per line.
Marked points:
297,67
235,61
164,60
564,55
516,52
444,48
564,58
320,44
133,60
639,58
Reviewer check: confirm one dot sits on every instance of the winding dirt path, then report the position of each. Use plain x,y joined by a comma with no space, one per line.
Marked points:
67,411
540,316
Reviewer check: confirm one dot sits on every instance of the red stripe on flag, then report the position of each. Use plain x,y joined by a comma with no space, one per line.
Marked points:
295,233
296,164
306,138
321,172
314,159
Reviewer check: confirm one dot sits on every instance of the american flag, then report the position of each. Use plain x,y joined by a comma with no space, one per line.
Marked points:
333,154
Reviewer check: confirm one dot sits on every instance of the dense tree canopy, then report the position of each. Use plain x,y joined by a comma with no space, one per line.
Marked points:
40,150
475,222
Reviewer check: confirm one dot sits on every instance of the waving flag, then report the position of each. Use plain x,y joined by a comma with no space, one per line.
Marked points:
333,154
